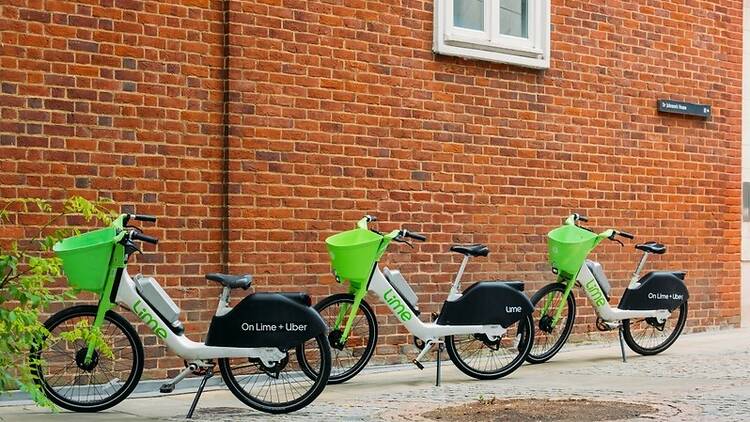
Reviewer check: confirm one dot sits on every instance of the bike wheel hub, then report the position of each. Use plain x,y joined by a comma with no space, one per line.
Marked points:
81,360
655,323
545,324
491,344
334,338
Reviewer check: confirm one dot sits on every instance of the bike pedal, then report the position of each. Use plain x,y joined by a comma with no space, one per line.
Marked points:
166,388
418,363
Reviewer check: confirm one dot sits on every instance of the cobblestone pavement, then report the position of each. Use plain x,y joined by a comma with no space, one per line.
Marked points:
702,377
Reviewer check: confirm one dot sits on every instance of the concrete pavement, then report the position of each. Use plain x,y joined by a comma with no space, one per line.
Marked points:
704,376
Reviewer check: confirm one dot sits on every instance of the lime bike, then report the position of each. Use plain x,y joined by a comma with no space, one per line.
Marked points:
651,313
486,329
257,344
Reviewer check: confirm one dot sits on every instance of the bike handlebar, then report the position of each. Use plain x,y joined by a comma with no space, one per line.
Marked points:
143,217
145,238
415,236
626,235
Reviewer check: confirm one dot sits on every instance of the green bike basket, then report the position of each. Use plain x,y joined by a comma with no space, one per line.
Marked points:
353,253
86,258
568,246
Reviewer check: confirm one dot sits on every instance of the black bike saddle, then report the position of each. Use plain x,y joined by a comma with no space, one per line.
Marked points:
652,247
231,281
473,250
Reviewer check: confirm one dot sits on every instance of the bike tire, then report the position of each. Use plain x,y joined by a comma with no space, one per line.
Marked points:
633,343
260,401
526,332
104,401
344,369
539,352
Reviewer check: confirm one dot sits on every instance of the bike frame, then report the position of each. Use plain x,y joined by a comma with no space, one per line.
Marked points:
425,331
126,295
596,296
591,288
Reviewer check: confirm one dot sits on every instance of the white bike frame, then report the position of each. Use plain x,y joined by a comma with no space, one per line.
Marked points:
607,313
426,331
128,297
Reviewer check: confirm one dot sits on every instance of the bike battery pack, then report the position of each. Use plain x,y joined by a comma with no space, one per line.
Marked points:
398,282
598,272
155,296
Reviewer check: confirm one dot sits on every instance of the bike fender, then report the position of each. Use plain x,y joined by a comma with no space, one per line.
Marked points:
487,303
657,290
281,320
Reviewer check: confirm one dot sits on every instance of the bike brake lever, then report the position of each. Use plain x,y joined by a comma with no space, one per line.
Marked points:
614,239
138,229
130,248
402,240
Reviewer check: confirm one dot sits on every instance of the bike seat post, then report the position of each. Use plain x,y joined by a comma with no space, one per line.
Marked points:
223,306
455,291
638,269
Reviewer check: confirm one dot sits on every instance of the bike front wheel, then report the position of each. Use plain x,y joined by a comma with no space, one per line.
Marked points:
648,337
72,382
279,386
551,338
483,358
350,357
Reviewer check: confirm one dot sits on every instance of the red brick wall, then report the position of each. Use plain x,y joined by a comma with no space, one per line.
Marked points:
123,100
339,109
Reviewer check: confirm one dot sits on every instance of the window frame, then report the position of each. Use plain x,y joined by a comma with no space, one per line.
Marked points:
489,44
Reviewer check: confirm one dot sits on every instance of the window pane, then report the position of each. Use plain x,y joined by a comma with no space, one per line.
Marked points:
469,14
514,19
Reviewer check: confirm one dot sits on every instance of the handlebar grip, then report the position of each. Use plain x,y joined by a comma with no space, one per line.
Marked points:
141,217
626,235
140,236
415,236
371,218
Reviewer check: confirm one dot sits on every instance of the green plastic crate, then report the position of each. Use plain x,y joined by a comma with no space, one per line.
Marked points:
568,247
86,258
353,254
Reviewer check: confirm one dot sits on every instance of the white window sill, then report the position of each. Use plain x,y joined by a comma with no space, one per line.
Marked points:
493,55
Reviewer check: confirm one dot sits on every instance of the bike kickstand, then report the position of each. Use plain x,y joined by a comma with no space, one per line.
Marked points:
209,374
622,345
437,375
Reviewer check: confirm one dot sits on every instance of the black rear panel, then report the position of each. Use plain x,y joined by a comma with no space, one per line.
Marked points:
658,290
487,303
280,320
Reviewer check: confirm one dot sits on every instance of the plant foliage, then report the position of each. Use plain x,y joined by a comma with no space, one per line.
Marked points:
27,268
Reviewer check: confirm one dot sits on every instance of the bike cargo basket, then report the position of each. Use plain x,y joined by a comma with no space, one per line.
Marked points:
86,258
353,253
568,247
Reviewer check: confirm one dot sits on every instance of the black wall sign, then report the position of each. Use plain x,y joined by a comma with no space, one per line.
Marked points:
678,107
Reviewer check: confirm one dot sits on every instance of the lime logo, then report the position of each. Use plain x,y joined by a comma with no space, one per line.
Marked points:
396,305
596,293
149,319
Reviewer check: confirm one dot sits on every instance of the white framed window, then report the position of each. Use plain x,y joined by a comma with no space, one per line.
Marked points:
505,31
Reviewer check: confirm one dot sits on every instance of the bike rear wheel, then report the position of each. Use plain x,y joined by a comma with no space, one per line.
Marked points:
281,386
482,358
74,384
349,358
550,339
648,337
